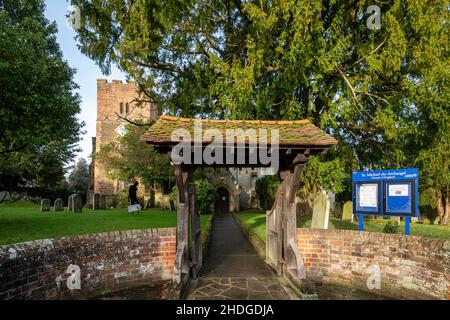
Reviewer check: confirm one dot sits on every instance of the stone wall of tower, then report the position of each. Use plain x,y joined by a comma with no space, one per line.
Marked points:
115,97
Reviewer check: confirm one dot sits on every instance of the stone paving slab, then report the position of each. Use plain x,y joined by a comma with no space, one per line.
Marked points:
239,289
233,270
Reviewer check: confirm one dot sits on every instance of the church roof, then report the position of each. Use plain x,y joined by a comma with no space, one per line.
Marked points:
291,132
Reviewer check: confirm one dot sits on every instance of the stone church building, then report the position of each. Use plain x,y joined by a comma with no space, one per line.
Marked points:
236,187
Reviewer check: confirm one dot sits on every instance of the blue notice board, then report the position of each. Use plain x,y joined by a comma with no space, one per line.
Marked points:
386,192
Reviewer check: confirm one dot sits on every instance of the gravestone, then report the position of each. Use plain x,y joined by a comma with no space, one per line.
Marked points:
59,204
147,201
338,209
321,211
45,205
347,211
70,203
5,196
77,206
102,202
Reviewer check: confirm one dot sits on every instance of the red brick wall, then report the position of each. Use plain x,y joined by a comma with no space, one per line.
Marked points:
107,261
410,267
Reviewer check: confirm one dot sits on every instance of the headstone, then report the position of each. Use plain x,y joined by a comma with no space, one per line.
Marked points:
45,205
347,211
147,201
59,204
5,196
77,206
338,209
321,211
96,201
331,198
102,202
134,208
70,203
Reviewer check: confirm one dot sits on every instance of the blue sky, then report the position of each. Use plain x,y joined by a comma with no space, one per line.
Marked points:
87,71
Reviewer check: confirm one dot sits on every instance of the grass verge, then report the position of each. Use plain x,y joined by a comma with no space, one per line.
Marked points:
23,221
255,222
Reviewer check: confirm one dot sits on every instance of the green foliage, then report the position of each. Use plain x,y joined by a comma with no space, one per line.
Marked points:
327,175
429,212
206,195
38,109
79,177
391,227
128,158
382,93
122,199
174,194
266,189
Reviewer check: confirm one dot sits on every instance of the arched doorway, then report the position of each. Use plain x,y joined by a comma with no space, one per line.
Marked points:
223,201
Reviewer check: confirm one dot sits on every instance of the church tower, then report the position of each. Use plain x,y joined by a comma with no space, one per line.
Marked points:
113,99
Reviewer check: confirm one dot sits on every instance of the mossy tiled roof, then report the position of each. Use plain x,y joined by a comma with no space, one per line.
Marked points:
295,133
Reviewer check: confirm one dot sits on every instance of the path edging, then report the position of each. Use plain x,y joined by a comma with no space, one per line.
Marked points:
255,241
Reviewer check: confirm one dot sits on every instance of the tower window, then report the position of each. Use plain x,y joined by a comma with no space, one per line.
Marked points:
121,108
127,108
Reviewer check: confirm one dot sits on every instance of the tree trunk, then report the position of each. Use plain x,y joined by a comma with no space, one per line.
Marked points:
447,208
440,207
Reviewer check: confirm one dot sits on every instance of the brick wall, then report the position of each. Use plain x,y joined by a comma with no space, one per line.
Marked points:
410,267
107,261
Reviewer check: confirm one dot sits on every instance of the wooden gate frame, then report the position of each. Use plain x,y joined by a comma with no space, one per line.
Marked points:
299,140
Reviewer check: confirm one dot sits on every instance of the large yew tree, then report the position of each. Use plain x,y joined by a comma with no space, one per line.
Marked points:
38,106
382,92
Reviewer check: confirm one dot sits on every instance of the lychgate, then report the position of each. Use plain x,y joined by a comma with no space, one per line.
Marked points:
283,145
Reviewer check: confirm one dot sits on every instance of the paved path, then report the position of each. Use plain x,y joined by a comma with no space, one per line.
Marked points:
233,270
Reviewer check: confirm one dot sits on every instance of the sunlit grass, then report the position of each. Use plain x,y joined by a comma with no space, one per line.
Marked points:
256,221
23,221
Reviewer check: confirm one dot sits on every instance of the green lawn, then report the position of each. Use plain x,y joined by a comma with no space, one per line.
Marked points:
257,223
23,221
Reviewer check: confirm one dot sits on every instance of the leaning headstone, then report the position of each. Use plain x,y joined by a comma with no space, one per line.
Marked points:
45,205
5,196
59,204
70,202
77,205
321,211
347,211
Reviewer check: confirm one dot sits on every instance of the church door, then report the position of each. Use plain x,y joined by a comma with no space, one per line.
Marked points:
223,201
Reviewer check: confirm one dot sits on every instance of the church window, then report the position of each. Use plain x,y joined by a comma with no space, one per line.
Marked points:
121,108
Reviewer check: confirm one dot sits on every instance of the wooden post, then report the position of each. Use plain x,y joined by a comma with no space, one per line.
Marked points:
181,266
293,266
196,242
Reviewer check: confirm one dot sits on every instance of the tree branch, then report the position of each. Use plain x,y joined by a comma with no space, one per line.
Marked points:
135,123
